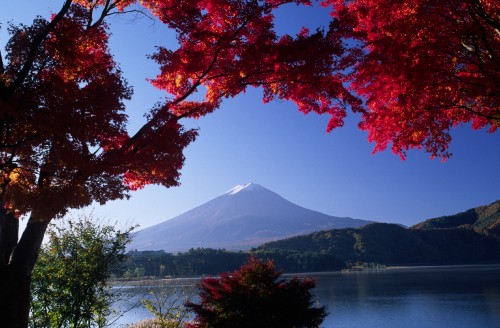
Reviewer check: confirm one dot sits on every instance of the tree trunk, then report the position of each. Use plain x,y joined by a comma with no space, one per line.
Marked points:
17,263
15,298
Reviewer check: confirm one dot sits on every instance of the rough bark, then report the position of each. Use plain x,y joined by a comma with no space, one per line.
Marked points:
17,262
9,229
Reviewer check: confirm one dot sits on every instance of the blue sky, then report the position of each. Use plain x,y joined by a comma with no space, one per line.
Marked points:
286,151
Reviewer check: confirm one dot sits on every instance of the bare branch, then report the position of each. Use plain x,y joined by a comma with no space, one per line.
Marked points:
491,118
199,79
479,10
137,11
107,8
30,59
108,11
91,13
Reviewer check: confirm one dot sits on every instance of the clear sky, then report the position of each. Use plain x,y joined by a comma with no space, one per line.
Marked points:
285,151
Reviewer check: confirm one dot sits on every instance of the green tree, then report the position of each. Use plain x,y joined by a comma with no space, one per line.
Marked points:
69,282
255,296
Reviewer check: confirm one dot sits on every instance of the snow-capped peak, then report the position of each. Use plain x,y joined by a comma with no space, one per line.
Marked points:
248,187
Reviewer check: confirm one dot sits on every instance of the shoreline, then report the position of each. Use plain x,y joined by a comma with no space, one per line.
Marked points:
189,280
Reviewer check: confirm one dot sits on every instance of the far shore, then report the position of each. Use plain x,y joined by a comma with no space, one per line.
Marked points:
193,280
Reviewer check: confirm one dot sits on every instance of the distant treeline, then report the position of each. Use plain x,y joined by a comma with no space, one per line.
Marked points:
472,236
468,237
206,261
331,250
391,244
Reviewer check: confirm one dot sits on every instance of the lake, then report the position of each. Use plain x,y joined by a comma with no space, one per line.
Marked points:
430,297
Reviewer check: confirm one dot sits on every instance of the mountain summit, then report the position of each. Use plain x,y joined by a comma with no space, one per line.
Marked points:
245,216
246,187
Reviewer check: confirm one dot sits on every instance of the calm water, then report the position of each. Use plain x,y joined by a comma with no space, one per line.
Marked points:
424,297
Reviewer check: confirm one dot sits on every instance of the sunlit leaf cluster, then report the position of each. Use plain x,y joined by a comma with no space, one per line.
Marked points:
413,69
427,67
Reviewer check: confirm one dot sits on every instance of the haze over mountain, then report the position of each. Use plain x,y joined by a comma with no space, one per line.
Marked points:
245,216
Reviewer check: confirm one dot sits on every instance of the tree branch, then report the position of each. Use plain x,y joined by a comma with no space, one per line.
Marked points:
26,252
467,108
106,11
30,59
103,15
2,69
213,62
203,75
9,227
3,84
473,12
479,10
137,11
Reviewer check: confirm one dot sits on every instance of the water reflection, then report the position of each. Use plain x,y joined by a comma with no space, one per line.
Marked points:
429,297
413,297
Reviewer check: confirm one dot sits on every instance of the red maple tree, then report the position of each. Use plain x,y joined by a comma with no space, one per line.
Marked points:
63,140
424,67
256,296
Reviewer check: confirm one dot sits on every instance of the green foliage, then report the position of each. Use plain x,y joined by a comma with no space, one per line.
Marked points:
295,261
69,283
483,217
206,261
255,296
166,303
391,244
195,262
468,237
145,323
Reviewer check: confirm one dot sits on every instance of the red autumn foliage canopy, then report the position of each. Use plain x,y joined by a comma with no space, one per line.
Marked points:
426,66
422,68
64,142
413,69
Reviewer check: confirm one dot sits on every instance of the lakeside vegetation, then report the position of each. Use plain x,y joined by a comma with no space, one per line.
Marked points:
469,237
331,250
81,257
465,238
206,261
472,236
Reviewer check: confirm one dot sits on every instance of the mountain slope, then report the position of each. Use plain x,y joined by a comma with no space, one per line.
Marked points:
245,216
393,245
483,217
458,239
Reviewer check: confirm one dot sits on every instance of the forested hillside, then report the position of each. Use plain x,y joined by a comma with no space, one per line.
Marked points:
483,217
468,237
205,261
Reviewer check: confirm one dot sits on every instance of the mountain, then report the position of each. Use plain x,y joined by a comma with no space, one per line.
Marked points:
245,216
459,238
483,217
